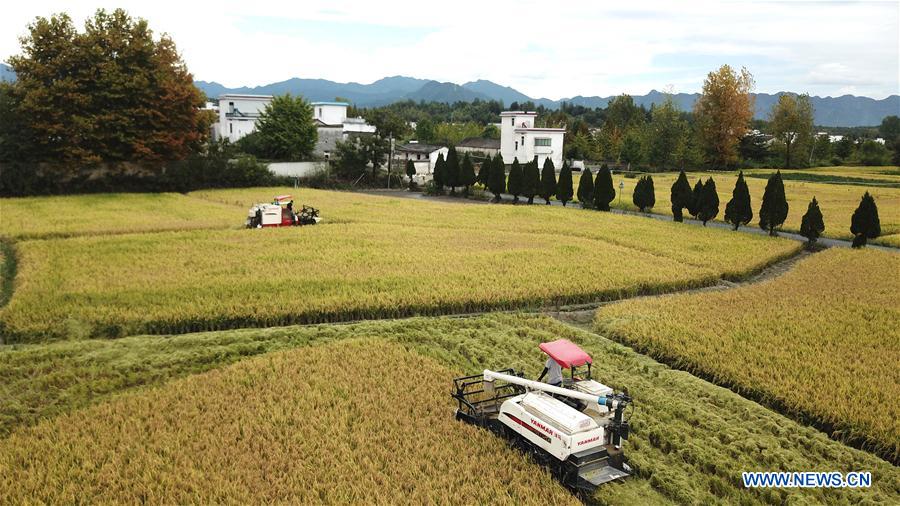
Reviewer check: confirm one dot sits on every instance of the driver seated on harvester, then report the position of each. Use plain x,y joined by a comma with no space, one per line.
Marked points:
553,371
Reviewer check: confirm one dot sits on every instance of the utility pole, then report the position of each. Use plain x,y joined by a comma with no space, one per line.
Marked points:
390,160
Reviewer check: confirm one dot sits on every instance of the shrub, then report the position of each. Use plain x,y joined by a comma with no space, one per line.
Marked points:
586,188
774,209
564,190
681,196
548,180
738,210
812,224
865,223
604,193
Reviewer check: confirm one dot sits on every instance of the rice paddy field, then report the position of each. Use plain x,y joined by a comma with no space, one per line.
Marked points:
821,342
837,201
379,257
362,413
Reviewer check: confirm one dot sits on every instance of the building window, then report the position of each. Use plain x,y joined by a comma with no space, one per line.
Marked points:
517,145
231,128
418,157
542,141
320,112
231,107
512,121
523,141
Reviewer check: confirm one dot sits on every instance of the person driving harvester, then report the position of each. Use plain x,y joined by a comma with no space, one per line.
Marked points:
555,376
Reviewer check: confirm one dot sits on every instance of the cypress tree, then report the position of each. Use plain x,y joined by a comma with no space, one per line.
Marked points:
696,197
531,181
865,223
738,210
586,188
774,208
604,193
644,196
709,202
438,175
497,177
564,190
637,196
681,196
451,172
466,173
410,172
548,180
514,186
812,225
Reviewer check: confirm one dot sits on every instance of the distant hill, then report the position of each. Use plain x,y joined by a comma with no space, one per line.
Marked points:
847,110
6,73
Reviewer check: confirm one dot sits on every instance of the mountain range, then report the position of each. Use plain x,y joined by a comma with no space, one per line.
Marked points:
846,110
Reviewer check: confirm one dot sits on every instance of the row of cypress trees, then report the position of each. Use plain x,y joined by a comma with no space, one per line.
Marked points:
454,173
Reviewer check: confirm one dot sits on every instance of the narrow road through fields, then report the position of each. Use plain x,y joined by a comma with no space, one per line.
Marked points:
508,199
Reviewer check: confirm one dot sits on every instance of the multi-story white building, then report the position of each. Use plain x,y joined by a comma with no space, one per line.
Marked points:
520,139
334,125
238,115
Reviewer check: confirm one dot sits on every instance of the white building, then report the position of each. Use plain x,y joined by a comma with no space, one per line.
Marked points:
423,156
238,115
479,145
519,139
334,125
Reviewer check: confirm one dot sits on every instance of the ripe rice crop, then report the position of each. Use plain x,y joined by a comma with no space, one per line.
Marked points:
355,422
822,341
111,213
837,201
464,258
290,425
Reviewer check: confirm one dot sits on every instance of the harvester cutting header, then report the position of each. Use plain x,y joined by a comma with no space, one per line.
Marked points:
281,213
576,429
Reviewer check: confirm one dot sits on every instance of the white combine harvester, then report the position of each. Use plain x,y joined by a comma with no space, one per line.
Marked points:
575,429
281,213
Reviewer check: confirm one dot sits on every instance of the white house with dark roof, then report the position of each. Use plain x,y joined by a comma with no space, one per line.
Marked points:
238,115
476,145
333,125
423,156
520,139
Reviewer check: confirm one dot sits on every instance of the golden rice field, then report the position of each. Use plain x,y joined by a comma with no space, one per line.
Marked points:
355,422
837,201
362,413
821,342
110,213
376,262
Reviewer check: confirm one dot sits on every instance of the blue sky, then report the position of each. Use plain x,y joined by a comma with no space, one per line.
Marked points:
543,49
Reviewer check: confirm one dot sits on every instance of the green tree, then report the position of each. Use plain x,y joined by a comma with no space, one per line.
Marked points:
377,150
564,189
466,173
410,172
708,207
110,93
666,134
451,170
531,180
425,130
738,210
484,171
604,193
348,160
865,224
872,153
696,199
439,174
791,120
490,132
774,208
515,183
286,129
890,128
722,114
681,197
631,151
812,225
497,177
586,188
844,147
387,123
548,180
895,158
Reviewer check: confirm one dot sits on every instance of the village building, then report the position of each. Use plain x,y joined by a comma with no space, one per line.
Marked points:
520,139
476,145
423,156
238,115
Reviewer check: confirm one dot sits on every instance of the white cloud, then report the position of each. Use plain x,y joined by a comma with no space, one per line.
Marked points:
543,49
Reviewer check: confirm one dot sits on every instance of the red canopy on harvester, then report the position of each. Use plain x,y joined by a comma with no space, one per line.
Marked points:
282,197
566,353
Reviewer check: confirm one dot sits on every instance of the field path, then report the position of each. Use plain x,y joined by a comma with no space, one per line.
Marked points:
582,315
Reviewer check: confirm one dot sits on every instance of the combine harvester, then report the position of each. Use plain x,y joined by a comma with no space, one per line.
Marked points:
280,213
575,429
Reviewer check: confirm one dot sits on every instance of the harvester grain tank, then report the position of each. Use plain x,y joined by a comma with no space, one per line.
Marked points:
576,429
